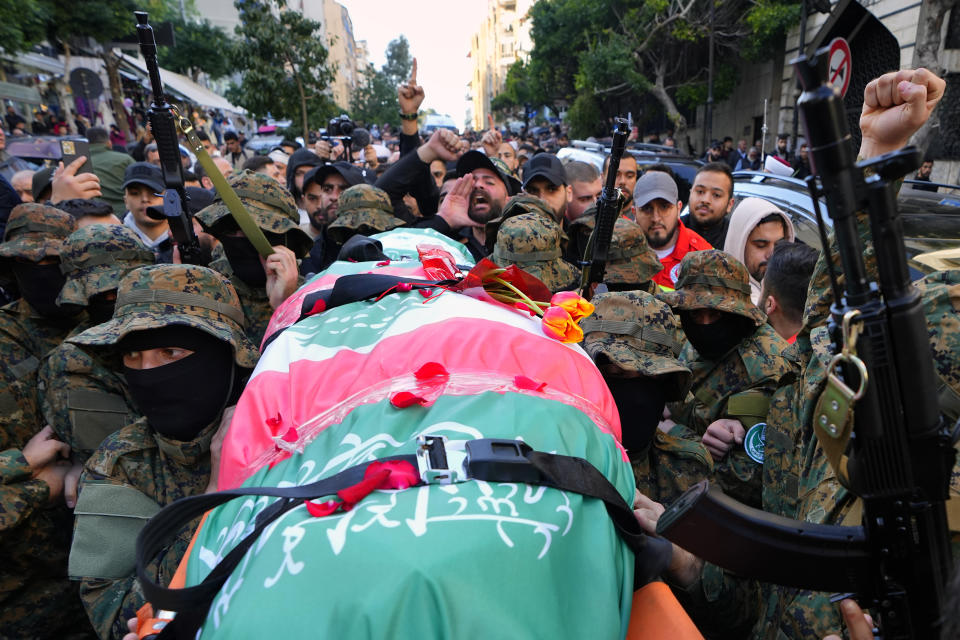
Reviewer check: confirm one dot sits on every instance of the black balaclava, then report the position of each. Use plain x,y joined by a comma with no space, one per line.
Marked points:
40,284
182,398
640,402
100,306
716,339
244,259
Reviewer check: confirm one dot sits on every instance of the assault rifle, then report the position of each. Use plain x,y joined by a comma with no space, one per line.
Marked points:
164,128
594,261
894,452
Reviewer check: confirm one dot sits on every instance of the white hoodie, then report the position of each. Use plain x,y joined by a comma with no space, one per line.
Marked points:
742,222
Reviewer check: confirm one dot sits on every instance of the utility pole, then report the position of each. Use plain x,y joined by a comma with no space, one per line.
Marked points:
800,50
708,120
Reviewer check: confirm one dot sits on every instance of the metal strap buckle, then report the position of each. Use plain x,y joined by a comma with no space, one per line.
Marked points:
438,463
490,459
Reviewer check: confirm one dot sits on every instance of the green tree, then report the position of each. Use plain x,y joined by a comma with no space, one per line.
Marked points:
283,62
23,23
375,100
199,47
618,51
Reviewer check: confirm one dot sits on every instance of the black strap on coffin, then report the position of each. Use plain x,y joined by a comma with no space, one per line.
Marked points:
354,288
566,473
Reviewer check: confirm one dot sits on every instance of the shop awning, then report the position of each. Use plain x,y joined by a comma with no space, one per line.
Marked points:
185,88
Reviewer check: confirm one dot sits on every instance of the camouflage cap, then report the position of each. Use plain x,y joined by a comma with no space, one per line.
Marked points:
714,280
175,294
631,260
532,242
35,231
271,206
638,332
95,258
362,209
518,204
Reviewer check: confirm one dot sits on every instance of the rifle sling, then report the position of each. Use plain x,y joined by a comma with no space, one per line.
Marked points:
227,194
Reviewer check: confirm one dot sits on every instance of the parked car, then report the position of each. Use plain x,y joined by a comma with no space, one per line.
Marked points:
684,167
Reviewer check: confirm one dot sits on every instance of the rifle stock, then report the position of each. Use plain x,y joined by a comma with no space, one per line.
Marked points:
608,208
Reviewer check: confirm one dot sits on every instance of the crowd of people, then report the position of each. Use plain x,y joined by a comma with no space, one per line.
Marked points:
106,336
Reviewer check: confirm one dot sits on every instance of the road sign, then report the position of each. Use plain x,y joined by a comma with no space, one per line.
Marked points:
841,65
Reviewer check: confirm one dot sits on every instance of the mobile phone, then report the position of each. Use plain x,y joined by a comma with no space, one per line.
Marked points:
71,149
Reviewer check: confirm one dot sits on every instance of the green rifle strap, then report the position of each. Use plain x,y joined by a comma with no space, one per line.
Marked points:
749,407
109,517
226,192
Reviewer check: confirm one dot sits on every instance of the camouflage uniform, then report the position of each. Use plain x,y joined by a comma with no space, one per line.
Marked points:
532,242
148,470
36,599
362,209
638,332
81,399
715,280
274,211
631,262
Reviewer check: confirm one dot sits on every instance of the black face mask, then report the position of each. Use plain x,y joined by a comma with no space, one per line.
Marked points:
244,260
714,340
640,403
182,398
100,308
40,285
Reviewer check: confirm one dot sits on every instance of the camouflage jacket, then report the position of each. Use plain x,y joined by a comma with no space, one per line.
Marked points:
163,471
759,363
255,302
82,400
36,599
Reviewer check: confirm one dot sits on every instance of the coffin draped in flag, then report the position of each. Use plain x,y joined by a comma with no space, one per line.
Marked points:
342,383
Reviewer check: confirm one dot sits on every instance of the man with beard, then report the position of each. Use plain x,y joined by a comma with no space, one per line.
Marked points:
626,181
477,197
301,162
83,401
177,337
143,188
923,175
737,360
262,283
544,178
322,188
658,214
755,227
711,199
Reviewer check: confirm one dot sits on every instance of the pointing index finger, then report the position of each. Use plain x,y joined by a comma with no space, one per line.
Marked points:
413,73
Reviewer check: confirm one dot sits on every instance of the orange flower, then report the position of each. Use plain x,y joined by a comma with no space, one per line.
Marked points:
577,307
558,324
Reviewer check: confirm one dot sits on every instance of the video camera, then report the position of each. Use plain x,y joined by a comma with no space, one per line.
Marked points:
342,128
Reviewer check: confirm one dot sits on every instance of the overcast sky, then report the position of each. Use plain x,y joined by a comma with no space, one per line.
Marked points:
439,32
